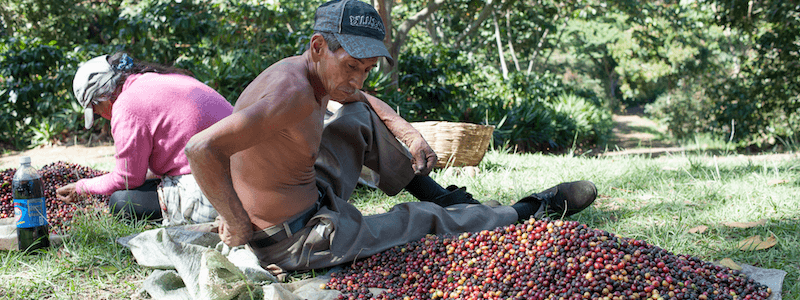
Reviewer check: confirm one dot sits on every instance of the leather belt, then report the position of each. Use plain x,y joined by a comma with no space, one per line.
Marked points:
274,234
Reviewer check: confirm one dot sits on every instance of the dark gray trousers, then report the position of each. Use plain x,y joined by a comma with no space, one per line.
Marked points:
339,233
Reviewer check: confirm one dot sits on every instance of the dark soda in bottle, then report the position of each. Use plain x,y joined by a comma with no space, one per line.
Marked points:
30,212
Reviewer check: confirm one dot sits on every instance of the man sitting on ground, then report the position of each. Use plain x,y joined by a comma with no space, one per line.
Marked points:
279,170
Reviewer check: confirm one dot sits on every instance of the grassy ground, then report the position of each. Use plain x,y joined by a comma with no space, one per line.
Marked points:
654,199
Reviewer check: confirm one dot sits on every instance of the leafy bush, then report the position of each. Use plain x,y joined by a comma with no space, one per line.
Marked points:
37,83
686,110
691,110
227,43
587,122
429,77
534,112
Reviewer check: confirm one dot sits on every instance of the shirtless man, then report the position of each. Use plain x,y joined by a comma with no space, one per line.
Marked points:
279,172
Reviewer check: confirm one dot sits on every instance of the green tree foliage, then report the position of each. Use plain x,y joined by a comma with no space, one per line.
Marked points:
465,77
762,99
725,67
748,87
534,112
70,22
35,84
590,42
639,50
227,43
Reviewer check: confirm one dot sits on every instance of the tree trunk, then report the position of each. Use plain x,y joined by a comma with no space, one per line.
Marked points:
485,12
433,31
510,42
384,8
558,41
405,28
538,47
5,17
500,48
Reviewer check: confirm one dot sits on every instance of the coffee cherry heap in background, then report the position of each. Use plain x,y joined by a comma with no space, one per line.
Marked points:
54,176
539,259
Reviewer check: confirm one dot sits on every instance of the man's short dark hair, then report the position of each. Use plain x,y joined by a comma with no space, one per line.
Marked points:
333,43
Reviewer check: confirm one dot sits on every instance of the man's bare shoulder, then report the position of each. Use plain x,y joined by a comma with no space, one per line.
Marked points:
288,69
283,78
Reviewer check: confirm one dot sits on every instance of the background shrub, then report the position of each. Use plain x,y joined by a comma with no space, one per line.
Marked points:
505,63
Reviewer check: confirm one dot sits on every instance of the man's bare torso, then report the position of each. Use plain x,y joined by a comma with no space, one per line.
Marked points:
275,179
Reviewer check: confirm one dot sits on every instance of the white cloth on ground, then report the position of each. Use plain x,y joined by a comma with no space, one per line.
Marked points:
193,263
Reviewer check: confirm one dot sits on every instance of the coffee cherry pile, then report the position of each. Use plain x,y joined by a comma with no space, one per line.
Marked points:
54,176
539,260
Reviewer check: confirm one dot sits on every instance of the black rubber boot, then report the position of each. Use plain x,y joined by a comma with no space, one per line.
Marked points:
425,189
562,200
456,195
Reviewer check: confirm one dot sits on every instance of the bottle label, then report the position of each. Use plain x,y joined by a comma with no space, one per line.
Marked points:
29,213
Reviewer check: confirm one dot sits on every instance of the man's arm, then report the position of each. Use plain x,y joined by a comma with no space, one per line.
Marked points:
211,168
424,157
210,150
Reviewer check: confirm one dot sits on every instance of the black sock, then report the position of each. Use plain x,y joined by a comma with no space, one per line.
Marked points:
424,188
525,209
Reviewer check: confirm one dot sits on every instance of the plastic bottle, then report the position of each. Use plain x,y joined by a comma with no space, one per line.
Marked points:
30,212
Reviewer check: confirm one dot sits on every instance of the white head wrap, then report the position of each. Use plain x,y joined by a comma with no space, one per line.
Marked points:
94,78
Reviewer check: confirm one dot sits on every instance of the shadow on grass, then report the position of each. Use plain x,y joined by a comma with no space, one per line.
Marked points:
785,255
659,136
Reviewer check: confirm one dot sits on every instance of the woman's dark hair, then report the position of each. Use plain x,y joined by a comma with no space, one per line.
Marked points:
137,67
145,67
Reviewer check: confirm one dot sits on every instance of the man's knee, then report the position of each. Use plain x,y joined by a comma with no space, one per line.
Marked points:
355,112
355,107
352,119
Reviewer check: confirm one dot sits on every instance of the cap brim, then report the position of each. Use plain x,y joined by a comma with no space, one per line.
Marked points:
88,116
363,47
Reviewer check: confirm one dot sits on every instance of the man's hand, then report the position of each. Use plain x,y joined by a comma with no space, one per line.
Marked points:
234,235
67,193
424,158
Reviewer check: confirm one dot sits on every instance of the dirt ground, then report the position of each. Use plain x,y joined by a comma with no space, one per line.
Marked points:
79,154
631,130
633,134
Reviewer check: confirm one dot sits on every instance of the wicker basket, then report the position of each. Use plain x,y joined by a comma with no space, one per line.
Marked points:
456,144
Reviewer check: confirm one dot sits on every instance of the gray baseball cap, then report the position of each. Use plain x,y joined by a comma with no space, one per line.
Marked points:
93,78
357,26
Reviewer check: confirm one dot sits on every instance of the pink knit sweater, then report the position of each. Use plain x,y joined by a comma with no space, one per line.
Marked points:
151,121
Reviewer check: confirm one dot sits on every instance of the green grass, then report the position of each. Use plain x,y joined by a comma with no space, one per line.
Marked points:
88,265
654,199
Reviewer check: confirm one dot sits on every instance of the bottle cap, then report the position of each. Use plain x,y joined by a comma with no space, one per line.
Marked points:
25,160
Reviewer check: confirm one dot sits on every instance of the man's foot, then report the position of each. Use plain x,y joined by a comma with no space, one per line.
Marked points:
455,195
562,200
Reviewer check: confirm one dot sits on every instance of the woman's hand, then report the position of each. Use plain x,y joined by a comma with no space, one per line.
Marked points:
67,193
